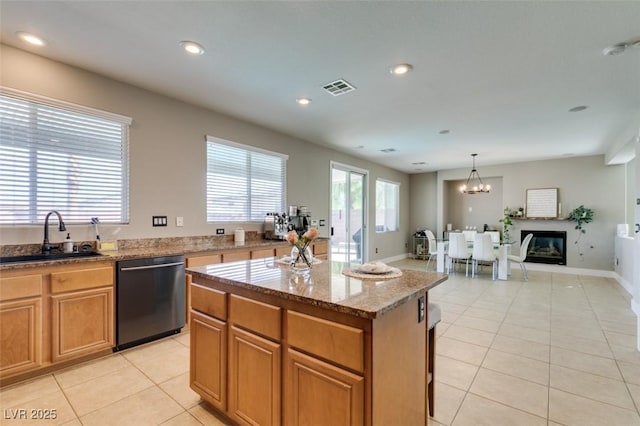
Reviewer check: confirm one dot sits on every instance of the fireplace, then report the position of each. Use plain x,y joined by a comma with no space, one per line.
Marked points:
546,247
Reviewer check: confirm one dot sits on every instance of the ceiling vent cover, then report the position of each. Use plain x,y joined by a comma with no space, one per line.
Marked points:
339,87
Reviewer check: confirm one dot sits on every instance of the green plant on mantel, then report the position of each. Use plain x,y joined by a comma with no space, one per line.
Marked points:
506,223
581,215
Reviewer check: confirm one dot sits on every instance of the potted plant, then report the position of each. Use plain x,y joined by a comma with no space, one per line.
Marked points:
506,224
581,215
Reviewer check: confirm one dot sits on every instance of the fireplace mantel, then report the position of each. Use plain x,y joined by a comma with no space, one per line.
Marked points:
542,219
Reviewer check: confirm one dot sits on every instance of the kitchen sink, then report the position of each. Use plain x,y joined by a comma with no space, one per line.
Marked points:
39,257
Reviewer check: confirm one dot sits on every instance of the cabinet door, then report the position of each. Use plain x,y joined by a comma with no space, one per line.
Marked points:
208,369
317,393
82,322
20,336
320,249
254,379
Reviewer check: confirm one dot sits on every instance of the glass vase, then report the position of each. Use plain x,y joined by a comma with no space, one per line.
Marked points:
301,260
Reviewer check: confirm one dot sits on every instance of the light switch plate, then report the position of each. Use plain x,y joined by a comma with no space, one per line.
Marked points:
159,220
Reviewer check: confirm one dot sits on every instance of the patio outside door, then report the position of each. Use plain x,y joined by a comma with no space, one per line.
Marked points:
348,213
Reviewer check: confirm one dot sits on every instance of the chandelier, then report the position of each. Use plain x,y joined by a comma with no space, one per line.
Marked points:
474,183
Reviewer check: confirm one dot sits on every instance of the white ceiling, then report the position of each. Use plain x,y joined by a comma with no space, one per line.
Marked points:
501,76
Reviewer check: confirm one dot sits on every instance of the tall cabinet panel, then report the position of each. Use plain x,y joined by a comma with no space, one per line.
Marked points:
208,371
254,379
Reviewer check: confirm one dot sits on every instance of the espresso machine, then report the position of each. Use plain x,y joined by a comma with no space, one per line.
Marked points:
276,226
300,221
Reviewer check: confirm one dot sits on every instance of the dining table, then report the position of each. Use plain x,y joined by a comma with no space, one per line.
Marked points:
502,249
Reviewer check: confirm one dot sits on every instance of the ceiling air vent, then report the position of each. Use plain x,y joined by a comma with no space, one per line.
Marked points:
339,87
388,150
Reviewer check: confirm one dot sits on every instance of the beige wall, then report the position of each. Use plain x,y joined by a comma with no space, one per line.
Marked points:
423,201
580,180
167,156
462,210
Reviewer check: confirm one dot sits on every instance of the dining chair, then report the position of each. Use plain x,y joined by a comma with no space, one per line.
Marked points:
483,252
495,237
433,246
457,251
469,235
522,256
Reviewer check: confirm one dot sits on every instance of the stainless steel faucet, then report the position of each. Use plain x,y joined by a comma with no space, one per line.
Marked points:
46,247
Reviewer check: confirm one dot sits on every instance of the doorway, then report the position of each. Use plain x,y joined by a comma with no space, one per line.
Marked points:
348,213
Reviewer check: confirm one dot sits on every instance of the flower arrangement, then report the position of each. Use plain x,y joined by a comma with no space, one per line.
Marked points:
302,244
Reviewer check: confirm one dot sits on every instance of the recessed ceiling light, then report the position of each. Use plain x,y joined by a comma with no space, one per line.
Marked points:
578,108
444,132
303,101
192,48
401,69
30,38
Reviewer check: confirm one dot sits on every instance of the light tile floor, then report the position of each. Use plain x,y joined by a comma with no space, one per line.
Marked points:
556,350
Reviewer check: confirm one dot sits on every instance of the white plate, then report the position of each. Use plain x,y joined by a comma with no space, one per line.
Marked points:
360,271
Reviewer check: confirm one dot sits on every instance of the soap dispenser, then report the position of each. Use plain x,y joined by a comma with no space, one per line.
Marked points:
67,246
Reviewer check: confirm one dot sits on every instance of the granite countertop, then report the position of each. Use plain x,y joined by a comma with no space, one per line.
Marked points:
325,287
150,248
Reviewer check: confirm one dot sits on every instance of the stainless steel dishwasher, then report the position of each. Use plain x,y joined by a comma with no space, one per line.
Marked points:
150,299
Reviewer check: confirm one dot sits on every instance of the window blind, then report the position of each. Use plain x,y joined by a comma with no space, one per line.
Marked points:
243,183
64,157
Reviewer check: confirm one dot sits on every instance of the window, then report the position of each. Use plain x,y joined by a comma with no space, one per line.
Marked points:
59,156
387,202
243,183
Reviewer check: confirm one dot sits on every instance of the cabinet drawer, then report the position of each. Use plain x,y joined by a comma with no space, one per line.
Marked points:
204,260
259,254
209,301
320,248
236,255
19,287
335,342
256,316
283,251
81,279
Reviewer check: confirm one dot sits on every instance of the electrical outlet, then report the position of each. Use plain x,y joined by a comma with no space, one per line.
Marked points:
179,221
159,220
322,222
219,231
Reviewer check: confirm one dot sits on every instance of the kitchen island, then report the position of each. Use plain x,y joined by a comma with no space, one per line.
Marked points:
269,347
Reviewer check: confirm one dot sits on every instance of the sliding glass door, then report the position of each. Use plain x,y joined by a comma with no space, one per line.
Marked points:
348,213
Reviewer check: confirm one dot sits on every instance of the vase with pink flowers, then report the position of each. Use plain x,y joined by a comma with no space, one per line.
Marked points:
301,255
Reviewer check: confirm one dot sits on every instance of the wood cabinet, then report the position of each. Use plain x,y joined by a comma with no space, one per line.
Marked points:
53,314
82,312
321,249
254,378
82,322
319,393
294,363
20,324
319,389
208,362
